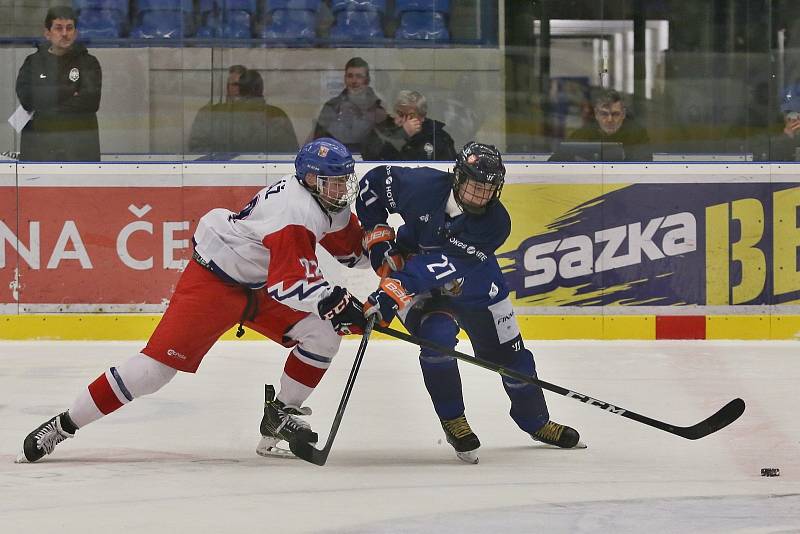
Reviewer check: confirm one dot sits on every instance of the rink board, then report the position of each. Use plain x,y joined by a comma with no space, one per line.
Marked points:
615,251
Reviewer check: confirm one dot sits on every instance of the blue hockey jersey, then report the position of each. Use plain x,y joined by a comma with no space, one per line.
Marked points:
451,252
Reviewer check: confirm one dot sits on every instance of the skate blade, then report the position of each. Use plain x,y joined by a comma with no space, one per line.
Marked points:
543,445
470,457
268,447
21,458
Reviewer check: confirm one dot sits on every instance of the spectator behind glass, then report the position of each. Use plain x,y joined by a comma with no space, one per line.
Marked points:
60,83
232,86
612,125
410,135
351,115
243,124
783,146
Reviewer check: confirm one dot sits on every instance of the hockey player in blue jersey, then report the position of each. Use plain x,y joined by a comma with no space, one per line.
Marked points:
439,273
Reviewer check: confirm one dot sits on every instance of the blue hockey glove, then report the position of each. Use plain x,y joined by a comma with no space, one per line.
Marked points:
390,298
382,249
344,311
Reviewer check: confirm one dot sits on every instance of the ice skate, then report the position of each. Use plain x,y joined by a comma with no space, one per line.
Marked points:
280,423
462,438
559,436
44,439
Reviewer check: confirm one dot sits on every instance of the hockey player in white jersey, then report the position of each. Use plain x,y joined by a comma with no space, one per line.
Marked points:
257,268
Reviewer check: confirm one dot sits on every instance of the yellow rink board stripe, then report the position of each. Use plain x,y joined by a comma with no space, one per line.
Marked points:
753,327
108,327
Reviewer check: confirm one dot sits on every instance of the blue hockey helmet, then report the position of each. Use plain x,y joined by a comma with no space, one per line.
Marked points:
478,177
791,98
327,169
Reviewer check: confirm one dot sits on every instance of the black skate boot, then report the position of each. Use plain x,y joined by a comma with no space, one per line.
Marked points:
558,435
280,423
44,439
462,438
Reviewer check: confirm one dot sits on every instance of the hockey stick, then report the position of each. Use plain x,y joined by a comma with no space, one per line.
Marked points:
725,416
306,451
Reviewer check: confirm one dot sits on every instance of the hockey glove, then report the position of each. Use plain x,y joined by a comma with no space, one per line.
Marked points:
344,311
390,298
382,249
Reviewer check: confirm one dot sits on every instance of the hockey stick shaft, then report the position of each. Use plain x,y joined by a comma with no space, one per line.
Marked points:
722,418
305,450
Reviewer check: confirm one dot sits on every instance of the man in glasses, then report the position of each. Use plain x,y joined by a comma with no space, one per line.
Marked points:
612,125
410,135
243,124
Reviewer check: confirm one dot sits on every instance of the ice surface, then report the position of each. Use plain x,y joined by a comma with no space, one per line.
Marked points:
183,459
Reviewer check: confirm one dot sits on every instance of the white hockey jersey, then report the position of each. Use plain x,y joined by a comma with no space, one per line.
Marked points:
271,243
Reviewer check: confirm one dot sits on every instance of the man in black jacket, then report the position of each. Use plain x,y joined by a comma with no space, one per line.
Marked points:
60,83
612,125
410,135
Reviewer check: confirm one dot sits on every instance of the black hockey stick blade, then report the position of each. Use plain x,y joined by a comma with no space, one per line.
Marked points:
306,451
725,416
722,418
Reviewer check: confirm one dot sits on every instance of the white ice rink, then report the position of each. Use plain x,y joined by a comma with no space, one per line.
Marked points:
183,460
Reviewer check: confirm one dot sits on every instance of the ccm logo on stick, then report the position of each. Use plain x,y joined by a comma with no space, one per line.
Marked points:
589,400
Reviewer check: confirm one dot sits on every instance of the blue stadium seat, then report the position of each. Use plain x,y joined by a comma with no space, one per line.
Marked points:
163,19
210,19
357,20
101,18
291,20
423,19
238,18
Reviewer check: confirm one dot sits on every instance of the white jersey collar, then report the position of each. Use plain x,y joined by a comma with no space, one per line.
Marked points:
452,208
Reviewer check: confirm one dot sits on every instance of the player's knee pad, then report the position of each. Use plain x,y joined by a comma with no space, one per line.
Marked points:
315,336
142,375
440,328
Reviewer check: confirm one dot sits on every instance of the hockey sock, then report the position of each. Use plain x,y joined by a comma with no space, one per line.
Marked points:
301,374
137,376
528,407
440,372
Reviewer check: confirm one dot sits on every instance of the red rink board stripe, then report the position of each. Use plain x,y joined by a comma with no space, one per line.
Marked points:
681,327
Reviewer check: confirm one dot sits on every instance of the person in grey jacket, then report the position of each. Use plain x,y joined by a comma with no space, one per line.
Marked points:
60,83
245,123
349,116
410,135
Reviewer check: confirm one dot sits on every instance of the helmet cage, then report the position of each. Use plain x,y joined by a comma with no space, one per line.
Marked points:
478,177
335,193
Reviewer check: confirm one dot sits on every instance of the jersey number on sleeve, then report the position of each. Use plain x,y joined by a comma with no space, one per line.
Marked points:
248,209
